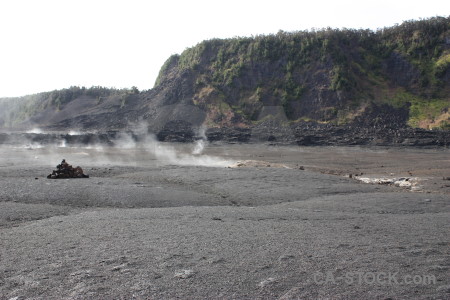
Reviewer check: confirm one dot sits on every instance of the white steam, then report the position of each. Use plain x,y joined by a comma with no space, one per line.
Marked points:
129,149
73,132
35,130
200,144
125,141
62,144
169,154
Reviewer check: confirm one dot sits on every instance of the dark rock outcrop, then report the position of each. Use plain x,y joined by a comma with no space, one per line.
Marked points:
177,131
400,71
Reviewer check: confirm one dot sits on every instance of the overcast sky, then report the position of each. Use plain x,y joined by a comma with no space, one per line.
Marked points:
54,44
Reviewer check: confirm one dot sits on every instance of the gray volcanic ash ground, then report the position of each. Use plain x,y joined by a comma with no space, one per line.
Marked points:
175,221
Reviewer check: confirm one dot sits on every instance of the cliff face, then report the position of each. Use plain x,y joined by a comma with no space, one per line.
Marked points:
394,78
326,76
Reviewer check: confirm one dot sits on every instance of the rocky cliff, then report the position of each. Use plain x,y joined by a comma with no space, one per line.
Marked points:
330,76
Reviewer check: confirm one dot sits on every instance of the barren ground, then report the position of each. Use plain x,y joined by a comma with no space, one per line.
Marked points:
171,227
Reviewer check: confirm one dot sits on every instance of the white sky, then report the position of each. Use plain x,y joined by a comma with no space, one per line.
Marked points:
53,44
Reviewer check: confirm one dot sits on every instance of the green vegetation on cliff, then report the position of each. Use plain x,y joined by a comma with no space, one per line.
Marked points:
16,110
327,75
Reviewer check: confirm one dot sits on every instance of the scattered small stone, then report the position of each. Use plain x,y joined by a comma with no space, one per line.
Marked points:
403,182
356,227
81,273
439,268
445,288
301,168
216,219
125,271
292,293
446,178
266,282
377,180
427,200
286,257
36,178
118,268
216,260
183,274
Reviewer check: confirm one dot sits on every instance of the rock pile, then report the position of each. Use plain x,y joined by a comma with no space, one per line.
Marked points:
411,183
64,170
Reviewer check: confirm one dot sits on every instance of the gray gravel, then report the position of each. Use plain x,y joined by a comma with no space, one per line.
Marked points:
155,230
